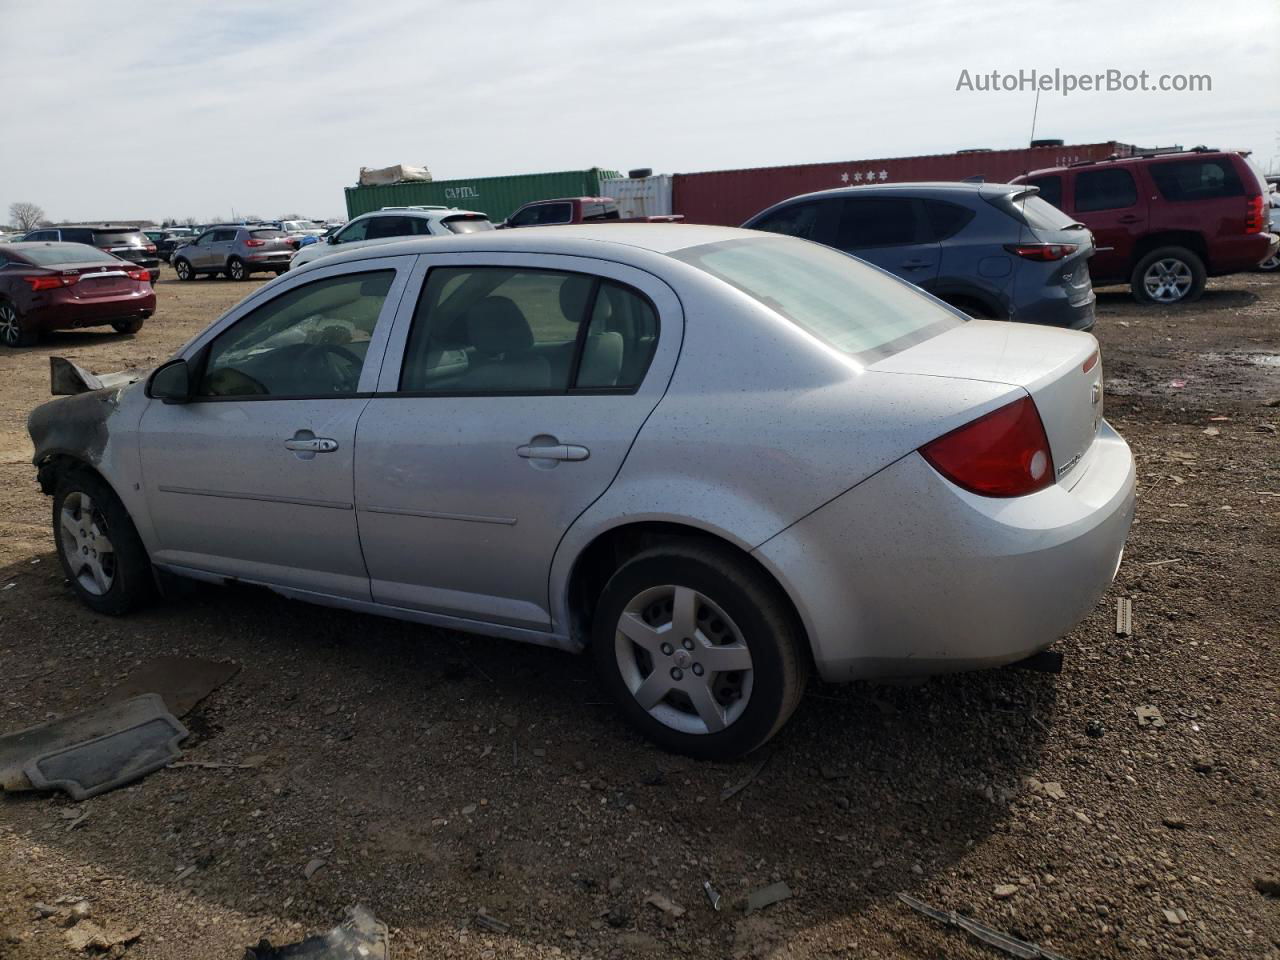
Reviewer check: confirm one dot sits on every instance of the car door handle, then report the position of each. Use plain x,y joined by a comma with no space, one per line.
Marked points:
916,264
311,445
1128,219
558,451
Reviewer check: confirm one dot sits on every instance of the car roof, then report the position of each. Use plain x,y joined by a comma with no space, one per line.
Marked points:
934,188
1139,158
94,226
424,214
589,240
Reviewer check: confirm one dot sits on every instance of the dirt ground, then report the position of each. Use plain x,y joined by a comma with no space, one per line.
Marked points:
436,774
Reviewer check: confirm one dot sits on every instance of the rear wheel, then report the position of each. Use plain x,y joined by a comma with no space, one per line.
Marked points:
183,269
101,552
1168,275
700,650
236,269
128,326
13,332
1272,263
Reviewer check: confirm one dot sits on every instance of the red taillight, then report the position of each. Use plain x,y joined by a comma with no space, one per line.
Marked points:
151,248
1253,215
50,281
1003,454
1091,362
255,243
139,274
1042,251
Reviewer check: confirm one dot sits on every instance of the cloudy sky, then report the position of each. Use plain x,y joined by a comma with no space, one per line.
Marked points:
198,109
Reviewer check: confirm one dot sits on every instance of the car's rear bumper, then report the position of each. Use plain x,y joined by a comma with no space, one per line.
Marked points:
276,260
907,574
69,314
1239,254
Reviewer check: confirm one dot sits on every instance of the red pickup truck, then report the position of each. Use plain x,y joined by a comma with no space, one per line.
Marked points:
1162,223
544,213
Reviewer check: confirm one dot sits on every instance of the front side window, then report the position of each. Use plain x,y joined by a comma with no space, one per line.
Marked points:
355,231
794,220
877,222
509,330
1200,179
854,308
526,217
552,213
310,341
1105,190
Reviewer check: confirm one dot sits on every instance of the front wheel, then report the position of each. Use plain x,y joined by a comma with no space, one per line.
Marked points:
700,649
236,269
128,326
1168,275
98,545
183,269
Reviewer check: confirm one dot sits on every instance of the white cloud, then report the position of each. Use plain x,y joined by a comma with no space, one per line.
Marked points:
192,109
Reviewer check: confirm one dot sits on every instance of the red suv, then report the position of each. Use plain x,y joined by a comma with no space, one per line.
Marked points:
1163,223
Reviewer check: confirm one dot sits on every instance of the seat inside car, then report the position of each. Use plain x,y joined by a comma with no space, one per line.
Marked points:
504,358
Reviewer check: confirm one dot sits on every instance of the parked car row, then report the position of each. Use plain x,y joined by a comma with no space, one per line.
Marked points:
125,242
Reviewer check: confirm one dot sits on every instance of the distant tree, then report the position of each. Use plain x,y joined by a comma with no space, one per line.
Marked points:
190,221
26,215
293,216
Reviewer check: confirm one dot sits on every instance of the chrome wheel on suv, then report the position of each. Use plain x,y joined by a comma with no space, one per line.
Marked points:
1271,263
1167,281
1168,275
183,269
236,269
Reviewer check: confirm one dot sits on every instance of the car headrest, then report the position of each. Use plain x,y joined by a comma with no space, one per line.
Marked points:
573,297
495,325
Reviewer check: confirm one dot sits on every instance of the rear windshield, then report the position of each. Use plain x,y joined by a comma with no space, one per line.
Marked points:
1033,210
468,224
59,253
267,234
119,238
853,307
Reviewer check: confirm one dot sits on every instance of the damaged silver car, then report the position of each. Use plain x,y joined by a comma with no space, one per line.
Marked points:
714,459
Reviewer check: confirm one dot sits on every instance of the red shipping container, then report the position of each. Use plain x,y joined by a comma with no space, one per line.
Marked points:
729,197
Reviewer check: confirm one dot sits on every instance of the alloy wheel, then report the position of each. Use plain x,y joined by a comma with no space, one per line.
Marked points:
683,659
184,270
1271,263
10,330
236,270
1167,280
83,533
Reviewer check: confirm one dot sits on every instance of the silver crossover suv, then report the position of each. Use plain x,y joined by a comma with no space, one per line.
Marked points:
711,458
236,251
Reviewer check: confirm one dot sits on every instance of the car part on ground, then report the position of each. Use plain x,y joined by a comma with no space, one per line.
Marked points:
689,519
990,250
94,751
361,936
48,285
1163,222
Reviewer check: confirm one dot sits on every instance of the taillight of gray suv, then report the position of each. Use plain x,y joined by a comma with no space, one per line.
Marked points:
235,251
990,249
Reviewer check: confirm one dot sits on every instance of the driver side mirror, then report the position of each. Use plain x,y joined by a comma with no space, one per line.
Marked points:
332,238
171,382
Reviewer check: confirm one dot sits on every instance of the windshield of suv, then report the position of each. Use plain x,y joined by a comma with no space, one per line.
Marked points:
468,223
862,311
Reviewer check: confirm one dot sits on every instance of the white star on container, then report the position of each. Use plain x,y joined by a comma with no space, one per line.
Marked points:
871,174
857,178
884,174
844,178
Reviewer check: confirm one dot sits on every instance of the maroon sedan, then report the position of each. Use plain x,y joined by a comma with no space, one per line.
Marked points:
57,286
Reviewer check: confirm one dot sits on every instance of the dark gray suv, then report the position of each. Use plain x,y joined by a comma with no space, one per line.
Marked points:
990,249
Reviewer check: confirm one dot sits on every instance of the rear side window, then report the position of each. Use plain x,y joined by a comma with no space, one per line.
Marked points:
380,227
502,330
848,305
78,236
793,220
1050,189
1199,179
944,219
877,222
1105,190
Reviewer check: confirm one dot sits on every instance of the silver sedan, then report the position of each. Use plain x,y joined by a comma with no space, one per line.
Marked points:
714,460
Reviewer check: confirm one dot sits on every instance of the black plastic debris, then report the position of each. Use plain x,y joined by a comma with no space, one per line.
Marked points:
359,937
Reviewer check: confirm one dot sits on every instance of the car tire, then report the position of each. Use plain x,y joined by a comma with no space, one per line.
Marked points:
708,713
236,269
1168,275
128,326
86,512
182,267
13,332
1271,264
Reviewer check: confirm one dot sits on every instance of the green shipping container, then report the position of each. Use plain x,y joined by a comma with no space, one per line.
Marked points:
498,197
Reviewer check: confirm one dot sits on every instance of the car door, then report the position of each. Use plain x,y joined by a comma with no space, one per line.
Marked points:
890,232
220,248
1107,200
513,388
197,254
253,477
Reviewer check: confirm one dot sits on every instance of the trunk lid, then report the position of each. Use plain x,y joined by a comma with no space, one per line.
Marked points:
1060,369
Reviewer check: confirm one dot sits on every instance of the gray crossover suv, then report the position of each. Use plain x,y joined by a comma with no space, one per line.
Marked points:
237,251
993,250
